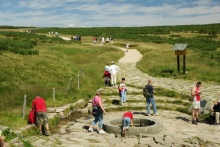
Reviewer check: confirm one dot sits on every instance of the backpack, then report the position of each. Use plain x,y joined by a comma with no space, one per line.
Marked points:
119,91
32,117
146,93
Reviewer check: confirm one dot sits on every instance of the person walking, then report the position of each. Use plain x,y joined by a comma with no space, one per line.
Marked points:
113,69
150,98
127,121
122,91
39,106
97,102
127,46
195,93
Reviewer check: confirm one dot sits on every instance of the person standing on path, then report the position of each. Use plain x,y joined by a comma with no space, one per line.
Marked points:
113,69
39,106
150,98
97,102
127,121
127,46
122,91
196,102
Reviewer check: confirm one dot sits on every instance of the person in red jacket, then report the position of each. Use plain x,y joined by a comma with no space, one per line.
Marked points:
39,106
127,120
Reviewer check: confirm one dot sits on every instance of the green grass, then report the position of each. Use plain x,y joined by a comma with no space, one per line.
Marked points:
53,67
158,58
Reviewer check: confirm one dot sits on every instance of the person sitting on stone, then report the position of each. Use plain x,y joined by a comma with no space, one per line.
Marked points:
216,111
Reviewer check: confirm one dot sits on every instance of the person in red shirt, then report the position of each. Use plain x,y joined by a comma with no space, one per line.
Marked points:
196,102
39,106
127,120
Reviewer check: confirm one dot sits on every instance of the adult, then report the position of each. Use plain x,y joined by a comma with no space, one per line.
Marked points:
103,40
127,121
107,67
195,93
113,69
97,102
107,78
111,39
107,40
216,111
127,46
107,75
39,106
122,91
150,98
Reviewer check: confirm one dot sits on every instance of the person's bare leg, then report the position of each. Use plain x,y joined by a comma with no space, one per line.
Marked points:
197,114
193,114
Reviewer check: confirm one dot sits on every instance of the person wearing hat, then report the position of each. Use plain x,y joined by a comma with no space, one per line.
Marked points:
113,69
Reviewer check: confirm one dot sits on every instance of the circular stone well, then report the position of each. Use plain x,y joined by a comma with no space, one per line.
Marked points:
141,126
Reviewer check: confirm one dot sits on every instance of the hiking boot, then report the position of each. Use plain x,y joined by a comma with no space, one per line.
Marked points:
197,120
194,122
155,114
47,133
90,129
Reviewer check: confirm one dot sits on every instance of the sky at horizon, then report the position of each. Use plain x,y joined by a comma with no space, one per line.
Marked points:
104,13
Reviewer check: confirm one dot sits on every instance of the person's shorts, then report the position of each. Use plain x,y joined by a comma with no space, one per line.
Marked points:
41,118
196,104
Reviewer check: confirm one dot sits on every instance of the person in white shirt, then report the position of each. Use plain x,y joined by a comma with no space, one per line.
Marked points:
113,69
107,67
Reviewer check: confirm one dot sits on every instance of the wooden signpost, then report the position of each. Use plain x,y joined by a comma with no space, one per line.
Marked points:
180,49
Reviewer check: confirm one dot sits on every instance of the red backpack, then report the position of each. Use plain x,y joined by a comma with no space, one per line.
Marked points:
31,117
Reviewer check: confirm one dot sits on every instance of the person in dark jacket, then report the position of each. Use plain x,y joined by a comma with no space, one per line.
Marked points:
216,111
150,99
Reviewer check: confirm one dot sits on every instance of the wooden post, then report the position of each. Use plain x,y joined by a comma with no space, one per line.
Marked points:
178,62
53,94
184,64
82,72
78,81
24,107
68,85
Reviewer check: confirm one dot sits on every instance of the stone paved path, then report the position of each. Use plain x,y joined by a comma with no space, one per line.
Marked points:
178,131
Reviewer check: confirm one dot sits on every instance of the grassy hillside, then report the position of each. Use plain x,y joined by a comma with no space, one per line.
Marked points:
55,64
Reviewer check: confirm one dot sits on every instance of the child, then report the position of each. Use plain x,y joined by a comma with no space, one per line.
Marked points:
127,120
122,91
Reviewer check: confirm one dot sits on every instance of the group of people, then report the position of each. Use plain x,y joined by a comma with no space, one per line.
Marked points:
39,105
127,119
196,97
110,74
103,41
